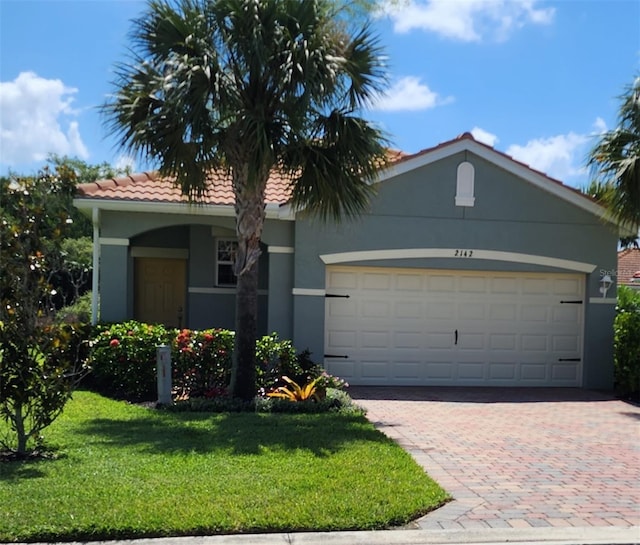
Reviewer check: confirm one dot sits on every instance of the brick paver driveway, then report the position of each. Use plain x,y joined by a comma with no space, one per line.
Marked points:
518,457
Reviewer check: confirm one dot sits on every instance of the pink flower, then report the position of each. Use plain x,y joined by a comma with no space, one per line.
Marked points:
114,343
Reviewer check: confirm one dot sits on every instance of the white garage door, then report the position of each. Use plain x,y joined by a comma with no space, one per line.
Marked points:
432,327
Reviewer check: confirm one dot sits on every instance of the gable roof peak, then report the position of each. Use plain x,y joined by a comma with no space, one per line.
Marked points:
465,136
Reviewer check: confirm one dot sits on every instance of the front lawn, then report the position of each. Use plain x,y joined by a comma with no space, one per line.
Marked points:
126,471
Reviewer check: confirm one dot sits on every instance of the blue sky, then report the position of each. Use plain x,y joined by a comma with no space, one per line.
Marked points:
537,80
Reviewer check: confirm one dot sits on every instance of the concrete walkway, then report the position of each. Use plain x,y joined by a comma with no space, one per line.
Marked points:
518,458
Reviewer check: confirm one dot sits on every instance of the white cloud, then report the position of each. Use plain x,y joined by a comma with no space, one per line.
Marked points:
599,126
126,163
561,156
35,120
409,94
466,20
484,136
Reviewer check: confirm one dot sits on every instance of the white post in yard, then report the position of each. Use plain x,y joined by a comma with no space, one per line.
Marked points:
163,368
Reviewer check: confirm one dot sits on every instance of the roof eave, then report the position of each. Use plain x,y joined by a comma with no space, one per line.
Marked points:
275,211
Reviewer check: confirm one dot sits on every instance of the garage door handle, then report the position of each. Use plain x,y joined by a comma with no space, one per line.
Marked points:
336,356
569,359
456,337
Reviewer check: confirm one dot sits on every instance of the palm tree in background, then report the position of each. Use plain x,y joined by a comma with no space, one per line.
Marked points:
251,86
615,162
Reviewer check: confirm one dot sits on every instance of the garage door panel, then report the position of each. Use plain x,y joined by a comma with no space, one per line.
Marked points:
376,281
504,285
374,339
471,341
375,309
503,311
342,280
440,310
408,370
534,313
439,370
502,342
342,339
399,327
472,284
437,283
535,286
566,313
472,311
502,371
341,308
437,340
567,372
342,368
534,343
536,372
408,340
407,282
568,287
566,343
471,370
374,369
408,309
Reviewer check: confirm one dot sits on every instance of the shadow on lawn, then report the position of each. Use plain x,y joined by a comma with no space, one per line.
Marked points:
240,433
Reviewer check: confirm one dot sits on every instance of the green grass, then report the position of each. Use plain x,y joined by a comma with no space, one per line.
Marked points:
126,471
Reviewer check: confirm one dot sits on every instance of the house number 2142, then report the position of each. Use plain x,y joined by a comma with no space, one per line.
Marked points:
463,253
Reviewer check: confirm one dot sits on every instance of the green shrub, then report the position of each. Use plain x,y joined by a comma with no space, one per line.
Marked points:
335,401
627,342
123,359
78,312
275,358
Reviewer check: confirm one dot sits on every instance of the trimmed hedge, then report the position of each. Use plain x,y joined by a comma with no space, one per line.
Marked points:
123,359
627,343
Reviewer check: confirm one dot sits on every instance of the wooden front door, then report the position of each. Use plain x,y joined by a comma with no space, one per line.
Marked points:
160,288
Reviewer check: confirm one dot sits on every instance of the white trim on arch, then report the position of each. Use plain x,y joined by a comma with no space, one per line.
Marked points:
458,253
111,241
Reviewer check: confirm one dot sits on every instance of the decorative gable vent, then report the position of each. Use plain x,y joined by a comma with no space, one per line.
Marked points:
464,184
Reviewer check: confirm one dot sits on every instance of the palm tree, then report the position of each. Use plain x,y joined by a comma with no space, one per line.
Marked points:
250,86
615,162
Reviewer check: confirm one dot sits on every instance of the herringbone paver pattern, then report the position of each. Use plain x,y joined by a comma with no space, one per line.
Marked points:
518,458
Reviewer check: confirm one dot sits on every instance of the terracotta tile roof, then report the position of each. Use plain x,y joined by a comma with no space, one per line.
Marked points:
149,187
629,266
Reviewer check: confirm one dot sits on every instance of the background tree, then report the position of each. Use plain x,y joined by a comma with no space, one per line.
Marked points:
248,86
615,162
39,362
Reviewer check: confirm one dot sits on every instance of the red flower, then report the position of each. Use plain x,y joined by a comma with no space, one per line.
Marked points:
114,343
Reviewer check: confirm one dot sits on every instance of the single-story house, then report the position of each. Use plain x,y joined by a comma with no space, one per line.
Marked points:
628,271
469,268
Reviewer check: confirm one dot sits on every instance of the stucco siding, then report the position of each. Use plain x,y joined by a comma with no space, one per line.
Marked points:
417,210
114,280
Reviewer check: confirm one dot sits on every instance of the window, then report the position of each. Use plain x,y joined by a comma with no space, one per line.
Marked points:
464,184
225,257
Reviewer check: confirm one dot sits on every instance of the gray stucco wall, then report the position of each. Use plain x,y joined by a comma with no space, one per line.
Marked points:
417,210
208,305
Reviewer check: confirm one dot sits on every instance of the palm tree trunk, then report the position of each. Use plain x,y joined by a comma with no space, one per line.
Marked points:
249,223
243,373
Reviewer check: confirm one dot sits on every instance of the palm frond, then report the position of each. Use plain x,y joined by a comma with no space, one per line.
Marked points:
615,160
